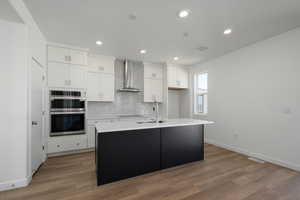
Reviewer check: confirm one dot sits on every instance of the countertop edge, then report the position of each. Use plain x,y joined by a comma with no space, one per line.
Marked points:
153,126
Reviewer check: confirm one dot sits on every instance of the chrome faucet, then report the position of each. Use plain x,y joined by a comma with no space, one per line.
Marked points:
156,108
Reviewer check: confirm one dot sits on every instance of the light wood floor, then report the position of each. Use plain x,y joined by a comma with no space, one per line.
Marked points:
224,175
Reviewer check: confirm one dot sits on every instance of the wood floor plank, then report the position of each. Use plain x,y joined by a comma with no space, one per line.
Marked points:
222,175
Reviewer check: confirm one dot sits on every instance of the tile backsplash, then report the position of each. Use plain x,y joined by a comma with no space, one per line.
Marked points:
126,103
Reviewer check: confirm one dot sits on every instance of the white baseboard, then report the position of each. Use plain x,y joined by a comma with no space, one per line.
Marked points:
254,155
70,152
9,185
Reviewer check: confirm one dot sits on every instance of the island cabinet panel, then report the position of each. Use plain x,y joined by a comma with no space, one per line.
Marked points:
180,145
127,154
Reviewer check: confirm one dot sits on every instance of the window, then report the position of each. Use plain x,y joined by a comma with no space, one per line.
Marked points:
200,93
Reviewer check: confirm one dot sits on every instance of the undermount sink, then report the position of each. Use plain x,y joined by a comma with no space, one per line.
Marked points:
151,122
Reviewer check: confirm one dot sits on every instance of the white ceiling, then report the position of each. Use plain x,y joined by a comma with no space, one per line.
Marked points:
8,13
158,29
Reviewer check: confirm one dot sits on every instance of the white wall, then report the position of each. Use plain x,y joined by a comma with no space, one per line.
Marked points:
254,98
13,103
37,41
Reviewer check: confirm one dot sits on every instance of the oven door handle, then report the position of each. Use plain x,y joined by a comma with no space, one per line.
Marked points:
66,113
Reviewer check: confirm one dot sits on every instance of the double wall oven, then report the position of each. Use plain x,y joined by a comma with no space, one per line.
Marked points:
67,112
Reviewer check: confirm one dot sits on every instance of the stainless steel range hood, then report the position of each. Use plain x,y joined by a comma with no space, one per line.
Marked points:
128,85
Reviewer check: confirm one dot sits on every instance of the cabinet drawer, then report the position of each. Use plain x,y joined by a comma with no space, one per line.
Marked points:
67,143
75,142
153,71
55,145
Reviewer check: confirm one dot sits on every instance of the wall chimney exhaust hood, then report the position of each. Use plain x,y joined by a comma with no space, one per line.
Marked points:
128,79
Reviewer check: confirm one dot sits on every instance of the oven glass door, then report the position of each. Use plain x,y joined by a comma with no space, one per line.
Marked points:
65,124
67,104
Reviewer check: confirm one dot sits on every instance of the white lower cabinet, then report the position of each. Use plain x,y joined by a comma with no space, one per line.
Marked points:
67,143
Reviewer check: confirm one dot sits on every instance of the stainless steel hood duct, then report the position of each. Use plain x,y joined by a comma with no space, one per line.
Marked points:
128,79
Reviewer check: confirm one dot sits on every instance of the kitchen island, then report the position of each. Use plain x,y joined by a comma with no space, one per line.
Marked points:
128,149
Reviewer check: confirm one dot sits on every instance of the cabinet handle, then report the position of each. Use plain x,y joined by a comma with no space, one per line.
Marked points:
100,68
58,146
153,75
78,144
70,58
70,82
66,58
66,82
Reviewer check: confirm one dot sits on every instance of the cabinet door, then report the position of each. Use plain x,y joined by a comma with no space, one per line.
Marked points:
107,87
77,76
172,77
74,142
126,154
78,57
153,90
58,75
55,144
180,145
93,86
91,136
101,64
182,77
58,54
101,87
153,71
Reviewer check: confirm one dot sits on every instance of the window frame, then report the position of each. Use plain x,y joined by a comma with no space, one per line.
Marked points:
196,93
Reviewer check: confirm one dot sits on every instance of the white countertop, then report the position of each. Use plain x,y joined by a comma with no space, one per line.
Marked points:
104,127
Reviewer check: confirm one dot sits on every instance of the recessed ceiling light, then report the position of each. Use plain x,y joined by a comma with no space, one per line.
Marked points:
184,13
143,51
227,31
99,43
176,58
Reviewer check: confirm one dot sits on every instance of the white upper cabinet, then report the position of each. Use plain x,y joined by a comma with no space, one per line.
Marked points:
66,55
66,68
78,57
66,76
101,87
153,71
182,77
178,77
58,75
100,78
172,76
58,54
77,77
153,82
103,64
